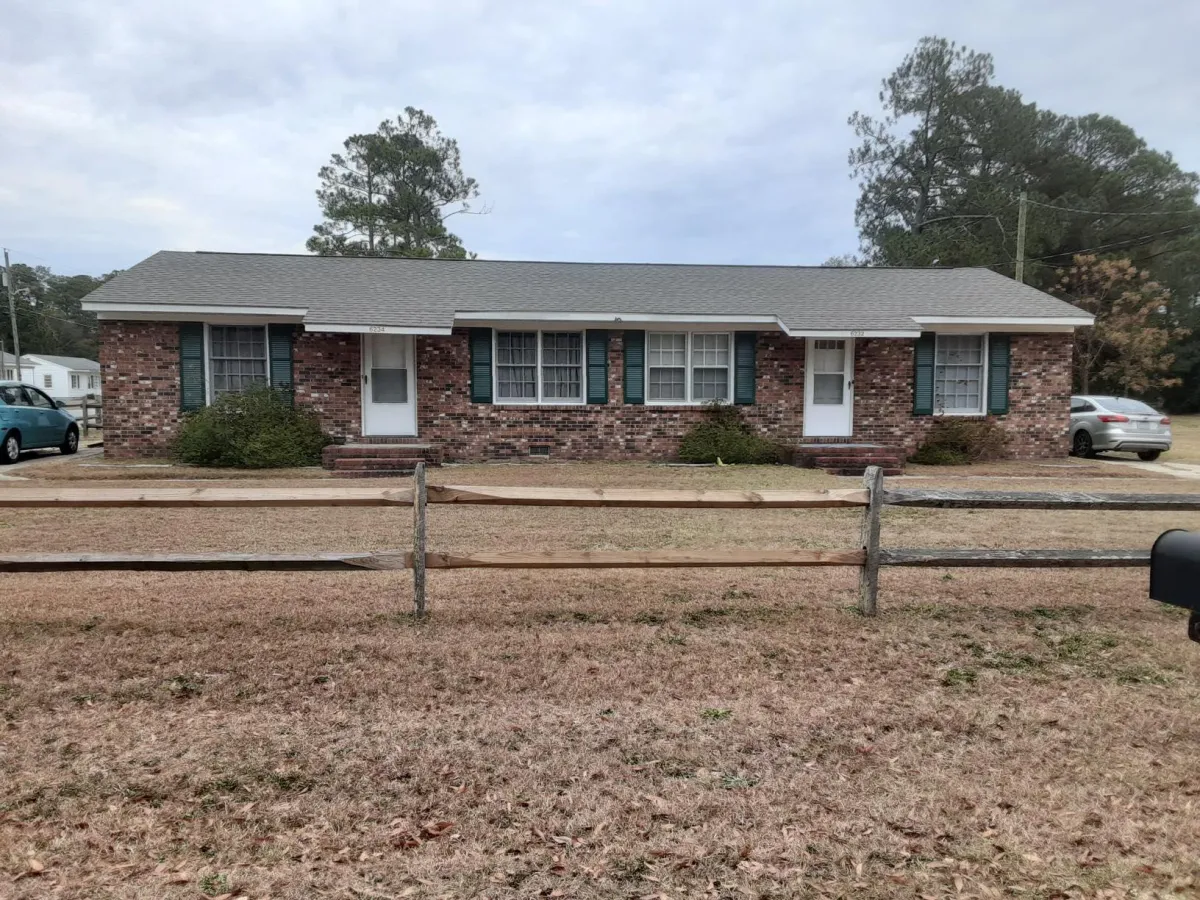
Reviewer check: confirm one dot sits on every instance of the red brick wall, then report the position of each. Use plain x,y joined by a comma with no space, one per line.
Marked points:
327,371
446,416
140,362
1038,396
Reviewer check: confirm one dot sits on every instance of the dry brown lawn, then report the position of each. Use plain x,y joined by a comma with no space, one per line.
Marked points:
708,733
1185,440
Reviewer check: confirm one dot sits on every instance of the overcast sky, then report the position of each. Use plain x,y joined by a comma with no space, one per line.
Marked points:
626,130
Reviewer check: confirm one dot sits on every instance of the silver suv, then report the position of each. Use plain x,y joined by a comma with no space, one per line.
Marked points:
1118,423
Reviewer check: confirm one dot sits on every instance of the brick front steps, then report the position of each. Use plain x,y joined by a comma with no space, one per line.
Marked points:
378,460
850,459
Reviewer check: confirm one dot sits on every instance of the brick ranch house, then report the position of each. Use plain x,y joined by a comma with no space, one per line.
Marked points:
484,359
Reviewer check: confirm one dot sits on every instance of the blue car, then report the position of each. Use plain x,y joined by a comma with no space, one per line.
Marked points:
30,420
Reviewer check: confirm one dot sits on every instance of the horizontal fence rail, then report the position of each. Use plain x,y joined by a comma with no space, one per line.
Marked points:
629,498
937,499
1015,559
868,558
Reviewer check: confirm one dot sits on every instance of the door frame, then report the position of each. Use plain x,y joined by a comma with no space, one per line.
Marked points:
364,370
848,379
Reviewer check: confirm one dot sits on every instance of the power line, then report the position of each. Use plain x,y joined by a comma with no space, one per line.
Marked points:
1137,240
1096,212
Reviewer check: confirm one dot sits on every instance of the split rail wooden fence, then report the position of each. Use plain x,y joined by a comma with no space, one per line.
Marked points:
869,557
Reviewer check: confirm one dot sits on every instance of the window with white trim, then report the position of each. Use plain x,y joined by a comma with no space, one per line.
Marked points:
93,381
688,367
958,379
237,356
74,382
539,367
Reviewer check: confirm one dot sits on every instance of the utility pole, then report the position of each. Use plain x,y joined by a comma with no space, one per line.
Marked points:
12,311
1022,211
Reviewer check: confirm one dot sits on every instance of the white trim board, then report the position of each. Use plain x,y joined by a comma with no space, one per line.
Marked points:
163,310
1071,321
373,329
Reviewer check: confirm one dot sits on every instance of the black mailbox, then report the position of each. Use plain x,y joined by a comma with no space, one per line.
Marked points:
1175,573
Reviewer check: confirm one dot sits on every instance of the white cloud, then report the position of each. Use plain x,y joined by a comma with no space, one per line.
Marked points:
688,130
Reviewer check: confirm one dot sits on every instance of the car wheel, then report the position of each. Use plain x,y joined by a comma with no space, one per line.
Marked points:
1082,445
71,442
10,449
1149,455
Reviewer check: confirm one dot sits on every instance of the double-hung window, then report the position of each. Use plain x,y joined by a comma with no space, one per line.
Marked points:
539,367
237,356
74,382
958,381
688,367
92,382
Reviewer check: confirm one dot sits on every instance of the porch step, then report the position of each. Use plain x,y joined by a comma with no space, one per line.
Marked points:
850,459
400,456
859,470
372,473
368,463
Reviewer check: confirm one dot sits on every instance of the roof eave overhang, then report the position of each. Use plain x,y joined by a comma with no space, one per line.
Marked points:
182,312
1014,323
343,328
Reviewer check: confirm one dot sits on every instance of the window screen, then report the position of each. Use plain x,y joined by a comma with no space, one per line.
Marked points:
958,373
238,354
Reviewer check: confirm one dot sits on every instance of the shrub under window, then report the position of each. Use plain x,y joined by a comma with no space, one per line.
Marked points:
959,442
724,435
258,428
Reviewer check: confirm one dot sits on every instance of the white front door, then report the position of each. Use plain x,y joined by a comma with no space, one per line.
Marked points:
829,388
389,393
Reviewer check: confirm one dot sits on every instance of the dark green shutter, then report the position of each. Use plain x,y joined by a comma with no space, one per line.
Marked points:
279,339
191,366
999,363
481,365
923,359
635,366
743,366
597,366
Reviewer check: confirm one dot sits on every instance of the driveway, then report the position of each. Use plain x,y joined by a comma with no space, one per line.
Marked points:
43,458
1185,470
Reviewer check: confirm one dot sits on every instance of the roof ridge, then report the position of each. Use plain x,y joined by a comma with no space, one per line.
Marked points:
591,262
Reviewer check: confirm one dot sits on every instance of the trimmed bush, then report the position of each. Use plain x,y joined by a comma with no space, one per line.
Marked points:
256,429
724,435
960,442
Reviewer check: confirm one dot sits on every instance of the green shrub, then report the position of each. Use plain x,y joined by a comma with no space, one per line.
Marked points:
724,435
256,429
959,442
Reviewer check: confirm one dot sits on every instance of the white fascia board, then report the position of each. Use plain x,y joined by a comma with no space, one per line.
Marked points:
855,333
163,310
1072,321
591,318
374,329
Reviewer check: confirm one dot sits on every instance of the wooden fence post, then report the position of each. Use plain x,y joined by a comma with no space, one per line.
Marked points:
84,417
868,575
419,540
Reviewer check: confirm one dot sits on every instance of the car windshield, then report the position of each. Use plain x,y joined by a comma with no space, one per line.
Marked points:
1136,407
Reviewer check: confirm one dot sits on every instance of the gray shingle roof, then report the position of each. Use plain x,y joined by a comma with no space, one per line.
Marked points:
427,293
76,363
